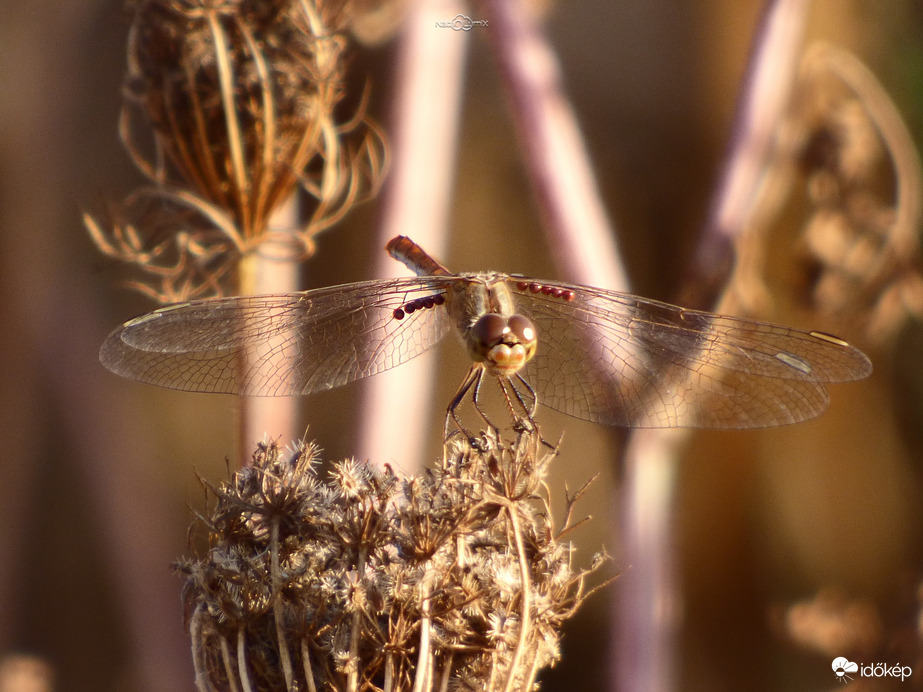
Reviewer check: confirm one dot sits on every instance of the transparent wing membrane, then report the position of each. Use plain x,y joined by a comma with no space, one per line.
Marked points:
619,359
278,345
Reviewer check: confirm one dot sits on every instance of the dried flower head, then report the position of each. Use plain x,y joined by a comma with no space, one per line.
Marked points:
452,580
862,175
239,101
846,163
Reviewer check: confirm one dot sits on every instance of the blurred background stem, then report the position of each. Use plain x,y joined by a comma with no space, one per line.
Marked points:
265,271
649,598
416,201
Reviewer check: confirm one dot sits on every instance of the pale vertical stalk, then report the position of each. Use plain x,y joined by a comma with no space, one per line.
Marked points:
228,667
198,652
647,612
424,132
761,104
447,674
491,682
557,160
270,269
352,680
306,664
242,659
278,607
647,595
533,674
525,621
424,667
389,673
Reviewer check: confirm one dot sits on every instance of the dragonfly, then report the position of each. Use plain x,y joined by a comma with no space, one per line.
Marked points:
595,354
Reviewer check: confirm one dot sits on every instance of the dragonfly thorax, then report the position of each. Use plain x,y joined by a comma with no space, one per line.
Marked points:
503,344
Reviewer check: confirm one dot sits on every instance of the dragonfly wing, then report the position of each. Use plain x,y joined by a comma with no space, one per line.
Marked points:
279,345
619,359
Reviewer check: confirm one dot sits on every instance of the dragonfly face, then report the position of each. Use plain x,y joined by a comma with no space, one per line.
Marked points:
604,356
503,344
495,334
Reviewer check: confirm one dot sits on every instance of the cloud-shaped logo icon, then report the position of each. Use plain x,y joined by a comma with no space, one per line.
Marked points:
842,666
462,23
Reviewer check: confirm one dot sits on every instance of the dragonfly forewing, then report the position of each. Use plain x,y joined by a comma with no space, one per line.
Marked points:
278,345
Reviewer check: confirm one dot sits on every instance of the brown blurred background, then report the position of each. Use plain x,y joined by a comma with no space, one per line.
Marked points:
99,474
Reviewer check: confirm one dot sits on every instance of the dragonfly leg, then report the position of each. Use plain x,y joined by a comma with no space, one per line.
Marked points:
528,399
531,396
472,380
506,385
475,399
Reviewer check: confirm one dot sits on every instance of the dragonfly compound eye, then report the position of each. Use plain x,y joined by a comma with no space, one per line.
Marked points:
488,331
523,329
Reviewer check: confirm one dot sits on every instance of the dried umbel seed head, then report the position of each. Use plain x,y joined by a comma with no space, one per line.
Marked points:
230,110
848,160
368,580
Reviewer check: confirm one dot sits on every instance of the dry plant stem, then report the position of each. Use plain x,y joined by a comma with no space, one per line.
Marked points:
257,272
646,628
306,664
424,662
198,652
525,623
228,665
556,157
446,674
278,606
424,137
242,659
389,672
647,594
533,674
761,106
270,270
352,683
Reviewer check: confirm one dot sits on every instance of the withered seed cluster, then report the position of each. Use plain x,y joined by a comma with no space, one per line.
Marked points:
369,580
232,107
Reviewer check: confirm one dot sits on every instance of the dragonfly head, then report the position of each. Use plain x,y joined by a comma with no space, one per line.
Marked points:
503,344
